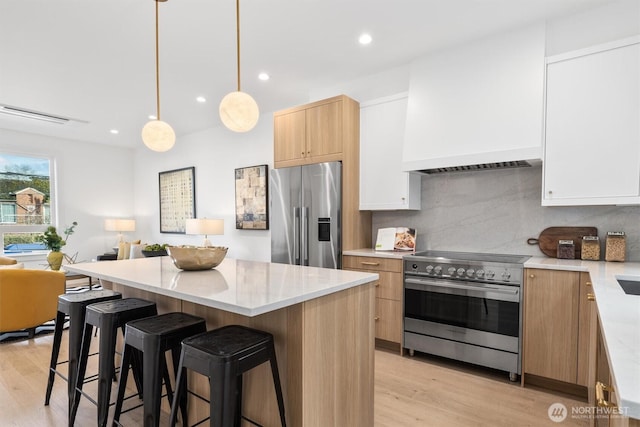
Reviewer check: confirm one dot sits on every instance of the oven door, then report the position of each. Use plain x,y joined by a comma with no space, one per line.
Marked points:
478,313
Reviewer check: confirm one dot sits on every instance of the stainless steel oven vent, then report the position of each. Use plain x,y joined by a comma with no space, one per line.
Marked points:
479,167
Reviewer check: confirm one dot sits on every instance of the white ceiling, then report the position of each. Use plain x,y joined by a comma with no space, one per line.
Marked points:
93,60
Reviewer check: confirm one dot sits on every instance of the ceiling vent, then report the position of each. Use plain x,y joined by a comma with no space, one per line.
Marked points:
36,115
479,167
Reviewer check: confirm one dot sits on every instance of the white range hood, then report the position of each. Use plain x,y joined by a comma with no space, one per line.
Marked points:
480,103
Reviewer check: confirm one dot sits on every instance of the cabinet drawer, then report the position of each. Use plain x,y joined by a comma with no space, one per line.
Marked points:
372,263
388,320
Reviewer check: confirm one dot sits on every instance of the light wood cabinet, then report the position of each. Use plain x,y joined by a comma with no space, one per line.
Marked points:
327,131
557,320
592,126
312,133
608,414
388,315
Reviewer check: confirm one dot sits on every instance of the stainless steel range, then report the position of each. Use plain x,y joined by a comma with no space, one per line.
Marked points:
465,306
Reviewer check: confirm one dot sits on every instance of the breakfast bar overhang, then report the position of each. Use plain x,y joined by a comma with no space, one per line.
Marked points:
322,321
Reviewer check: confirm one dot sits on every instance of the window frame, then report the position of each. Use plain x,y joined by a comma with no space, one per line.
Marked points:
53,205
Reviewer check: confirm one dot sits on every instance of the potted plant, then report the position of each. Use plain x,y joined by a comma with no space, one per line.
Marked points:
155,250
54,242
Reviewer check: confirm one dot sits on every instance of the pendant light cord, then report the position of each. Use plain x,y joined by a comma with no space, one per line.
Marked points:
157,67
238,40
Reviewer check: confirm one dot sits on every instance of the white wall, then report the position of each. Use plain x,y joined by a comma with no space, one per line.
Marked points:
215,153
93,182
614,21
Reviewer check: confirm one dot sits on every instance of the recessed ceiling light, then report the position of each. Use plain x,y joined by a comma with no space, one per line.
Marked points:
263,76
365,39
201,99
152,117
114,131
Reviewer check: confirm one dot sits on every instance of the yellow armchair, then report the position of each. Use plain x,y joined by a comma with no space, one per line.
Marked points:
28,298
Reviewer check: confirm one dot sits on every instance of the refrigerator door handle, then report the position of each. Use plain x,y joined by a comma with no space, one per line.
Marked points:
304,240
296,237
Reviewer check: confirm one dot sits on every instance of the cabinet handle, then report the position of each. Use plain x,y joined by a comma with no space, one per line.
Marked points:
531,276
600,389
587,283
376,318
550,192
377,284
591,297
302,153
369,263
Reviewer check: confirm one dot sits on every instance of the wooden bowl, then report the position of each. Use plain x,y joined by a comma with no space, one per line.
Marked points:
196,257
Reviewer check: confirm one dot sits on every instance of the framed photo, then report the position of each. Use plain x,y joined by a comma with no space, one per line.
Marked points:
177,199
252,209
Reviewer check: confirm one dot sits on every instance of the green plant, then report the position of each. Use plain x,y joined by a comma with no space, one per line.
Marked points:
53,241
156,247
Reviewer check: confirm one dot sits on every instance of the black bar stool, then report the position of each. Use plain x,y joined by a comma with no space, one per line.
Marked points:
154,336
108,316
223,355
72,305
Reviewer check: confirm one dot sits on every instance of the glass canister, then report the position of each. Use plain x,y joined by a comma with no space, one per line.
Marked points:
590,248
615,246
566,249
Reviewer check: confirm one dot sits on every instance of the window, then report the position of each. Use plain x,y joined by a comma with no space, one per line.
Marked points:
26,201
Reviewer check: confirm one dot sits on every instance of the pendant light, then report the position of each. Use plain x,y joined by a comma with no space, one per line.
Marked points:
156,134
238,110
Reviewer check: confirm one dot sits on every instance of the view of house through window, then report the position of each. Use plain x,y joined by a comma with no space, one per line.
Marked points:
25,202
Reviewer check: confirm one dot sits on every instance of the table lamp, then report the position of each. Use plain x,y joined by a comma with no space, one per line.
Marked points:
120,225
205,226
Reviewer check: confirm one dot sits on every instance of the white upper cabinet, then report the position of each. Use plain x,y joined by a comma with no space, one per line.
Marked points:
592,126
480,102
383,185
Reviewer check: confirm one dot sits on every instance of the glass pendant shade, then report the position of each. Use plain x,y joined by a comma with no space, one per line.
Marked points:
239,111
158,136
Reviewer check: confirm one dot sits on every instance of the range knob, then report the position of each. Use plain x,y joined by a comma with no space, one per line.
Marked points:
470,272
429,268
480,273
460,271
414,266
451,271
490,274
506,275
437,269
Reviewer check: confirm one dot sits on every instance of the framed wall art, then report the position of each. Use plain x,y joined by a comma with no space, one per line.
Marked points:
252,209
177,199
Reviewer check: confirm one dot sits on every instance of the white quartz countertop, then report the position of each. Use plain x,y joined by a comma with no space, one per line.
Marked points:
378,254
249,288
619,315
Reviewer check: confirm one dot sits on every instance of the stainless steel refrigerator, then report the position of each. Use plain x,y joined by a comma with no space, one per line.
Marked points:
305,215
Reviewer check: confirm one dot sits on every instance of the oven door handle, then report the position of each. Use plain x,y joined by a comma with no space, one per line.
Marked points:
485,291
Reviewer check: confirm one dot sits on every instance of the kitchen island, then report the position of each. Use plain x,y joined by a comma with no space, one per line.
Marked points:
321,319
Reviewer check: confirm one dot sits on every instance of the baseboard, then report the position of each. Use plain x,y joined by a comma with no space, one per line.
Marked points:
555,385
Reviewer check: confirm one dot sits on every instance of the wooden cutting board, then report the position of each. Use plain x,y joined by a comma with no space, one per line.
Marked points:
548,239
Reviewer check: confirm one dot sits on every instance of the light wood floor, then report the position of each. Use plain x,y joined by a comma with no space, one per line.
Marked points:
418,391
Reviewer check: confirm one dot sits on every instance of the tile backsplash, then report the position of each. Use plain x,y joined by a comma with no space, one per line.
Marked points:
497,211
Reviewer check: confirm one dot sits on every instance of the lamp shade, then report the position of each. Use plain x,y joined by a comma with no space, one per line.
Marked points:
239,111
158,135
120,225
205,226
